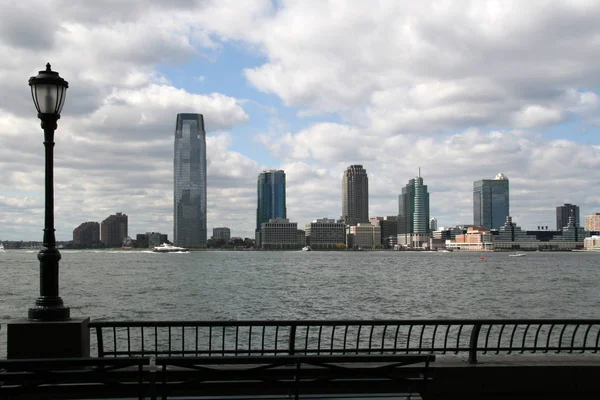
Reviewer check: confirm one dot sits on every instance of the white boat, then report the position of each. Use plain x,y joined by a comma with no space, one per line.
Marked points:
517,255
306,248
444,251
169,248
1,247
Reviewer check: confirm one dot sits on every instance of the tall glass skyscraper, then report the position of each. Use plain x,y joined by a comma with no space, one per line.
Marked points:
413,208
270,188
491,202
355,195
189,226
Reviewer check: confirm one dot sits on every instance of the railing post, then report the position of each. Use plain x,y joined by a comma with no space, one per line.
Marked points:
473,343
100,341
292,340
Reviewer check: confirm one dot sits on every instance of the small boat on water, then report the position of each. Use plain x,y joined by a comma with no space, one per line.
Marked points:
444,250
1,247
306,248
169,248
517,255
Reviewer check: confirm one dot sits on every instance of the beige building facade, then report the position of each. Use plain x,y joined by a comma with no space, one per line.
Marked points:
364,235
592,222
279,233
325,233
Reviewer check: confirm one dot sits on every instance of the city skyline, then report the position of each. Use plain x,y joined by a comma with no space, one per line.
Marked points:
388,87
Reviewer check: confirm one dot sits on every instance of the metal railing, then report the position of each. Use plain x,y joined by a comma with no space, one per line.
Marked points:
339,337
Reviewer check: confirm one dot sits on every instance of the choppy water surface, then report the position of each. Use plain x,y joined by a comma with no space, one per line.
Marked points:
122,285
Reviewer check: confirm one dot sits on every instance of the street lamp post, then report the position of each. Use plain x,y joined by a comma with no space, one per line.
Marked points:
49,91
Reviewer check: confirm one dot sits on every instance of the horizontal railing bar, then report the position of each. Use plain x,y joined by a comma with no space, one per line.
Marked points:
268,351
379,322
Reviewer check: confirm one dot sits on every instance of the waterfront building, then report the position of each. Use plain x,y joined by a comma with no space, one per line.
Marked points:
221,233
189,219
87,234
564,212
511,236
592,222
474,239
491,202
433,224
114,229
156,238
141,241
301,237
413,213
389,229
279,233
355,195
592,243
363,235
325,233
270,188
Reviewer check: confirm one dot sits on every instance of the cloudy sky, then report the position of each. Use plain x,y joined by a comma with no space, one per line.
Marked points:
462,89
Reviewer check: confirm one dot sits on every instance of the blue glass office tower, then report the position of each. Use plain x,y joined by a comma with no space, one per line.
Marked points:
491,202
189,227
270,187
413,208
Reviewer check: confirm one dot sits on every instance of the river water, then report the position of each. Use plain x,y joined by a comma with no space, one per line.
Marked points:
207,285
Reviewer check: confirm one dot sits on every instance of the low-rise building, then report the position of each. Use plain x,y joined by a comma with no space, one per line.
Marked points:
325,233
592,243
475,239
279,233
364,235
414,240
221,233
512,237
150,239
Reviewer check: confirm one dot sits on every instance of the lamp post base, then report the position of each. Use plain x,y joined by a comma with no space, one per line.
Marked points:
48,339
49,313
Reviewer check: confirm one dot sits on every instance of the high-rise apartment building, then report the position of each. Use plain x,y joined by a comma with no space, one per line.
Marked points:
189,222
87,234
270,187
413,210
491,202
592,222
355,195
564,212
114,229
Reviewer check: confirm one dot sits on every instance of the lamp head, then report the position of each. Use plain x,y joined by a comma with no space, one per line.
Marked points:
48,91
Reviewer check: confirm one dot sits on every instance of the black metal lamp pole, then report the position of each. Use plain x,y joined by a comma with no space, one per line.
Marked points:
49,91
